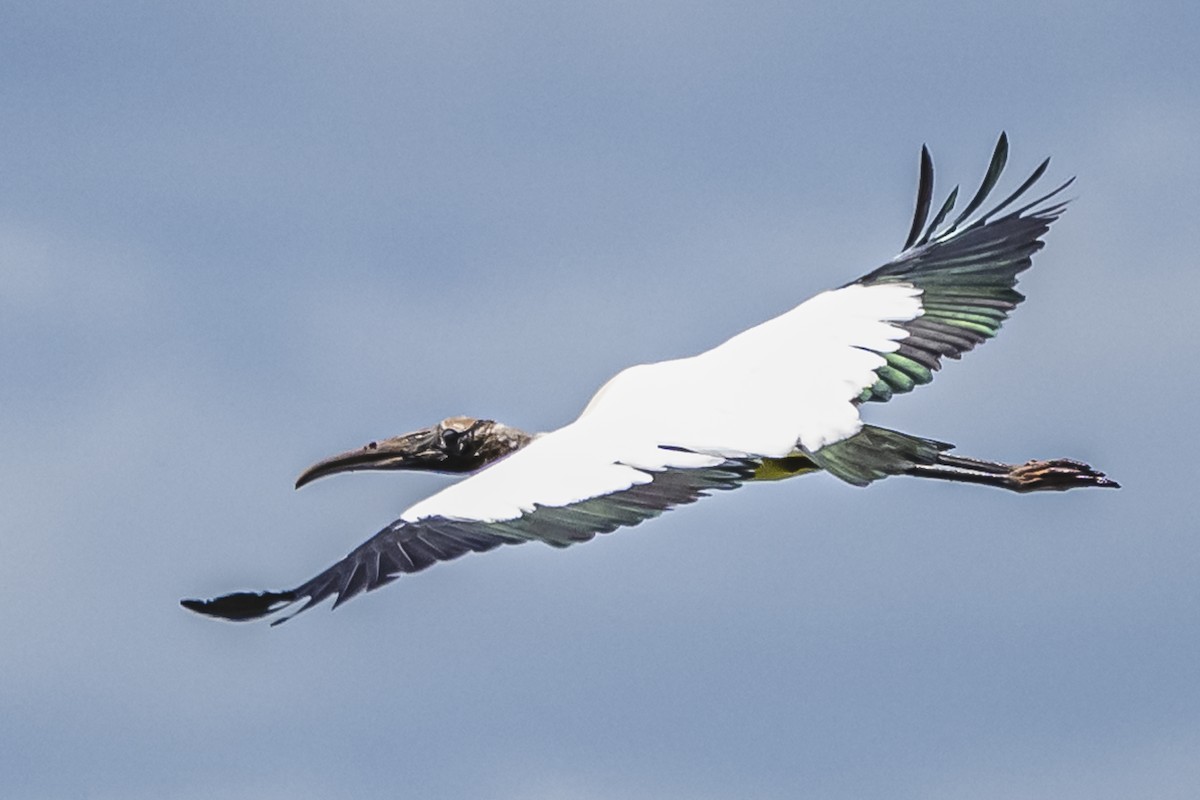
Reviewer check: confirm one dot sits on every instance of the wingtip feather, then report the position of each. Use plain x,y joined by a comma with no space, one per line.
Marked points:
924,198
240,606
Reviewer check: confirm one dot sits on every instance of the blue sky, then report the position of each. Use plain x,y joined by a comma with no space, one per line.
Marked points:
236,238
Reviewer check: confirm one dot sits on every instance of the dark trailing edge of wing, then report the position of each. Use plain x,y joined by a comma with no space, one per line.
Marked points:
967,275
406,547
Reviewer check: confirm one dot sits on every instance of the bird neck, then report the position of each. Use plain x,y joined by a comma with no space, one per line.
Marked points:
499,440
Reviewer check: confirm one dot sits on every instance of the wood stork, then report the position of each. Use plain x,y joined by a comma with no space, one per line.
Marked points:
780,399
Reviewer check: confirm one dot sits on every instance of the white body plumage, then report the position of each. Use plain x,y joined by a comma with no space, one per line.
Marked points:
789,382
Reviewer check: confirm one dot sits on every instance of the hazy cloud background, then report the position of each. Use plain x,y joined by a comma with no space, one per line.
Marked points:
235,238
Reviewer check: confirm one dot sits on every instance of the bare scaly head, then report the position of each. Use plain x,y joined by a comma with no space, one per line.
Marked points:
454,445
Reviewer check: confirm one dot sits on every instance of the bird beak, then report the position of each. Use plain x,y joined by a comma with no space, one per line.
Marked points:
418,450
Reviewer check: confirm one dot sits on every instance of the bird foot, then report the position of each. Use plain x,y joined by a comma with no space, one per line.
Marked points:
1056,475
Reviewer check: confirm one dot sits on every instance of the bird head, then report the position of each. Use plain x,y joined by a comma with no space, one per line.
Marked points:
454,445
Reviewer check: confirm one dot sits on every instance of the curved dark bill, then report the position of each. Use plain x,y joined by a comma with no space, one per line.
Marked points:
411,451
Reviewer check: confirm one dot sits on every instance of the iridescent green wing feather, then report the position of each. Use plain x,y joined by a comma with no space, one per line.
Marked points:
967,272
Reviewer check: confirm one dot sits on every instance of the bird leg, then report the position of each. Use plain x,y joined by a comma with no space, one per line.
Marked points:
1057,474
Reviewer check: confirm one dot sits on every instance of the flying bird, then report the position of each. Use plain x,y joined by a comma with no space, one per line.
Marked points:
778,400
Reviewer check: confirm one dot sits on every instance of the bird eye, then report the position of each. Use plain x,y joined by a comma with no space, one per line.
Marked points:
450,438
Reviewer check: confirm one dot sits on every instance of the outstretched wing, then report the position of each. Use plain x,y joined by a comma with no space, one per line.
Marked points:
414,542
966,272
797,381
